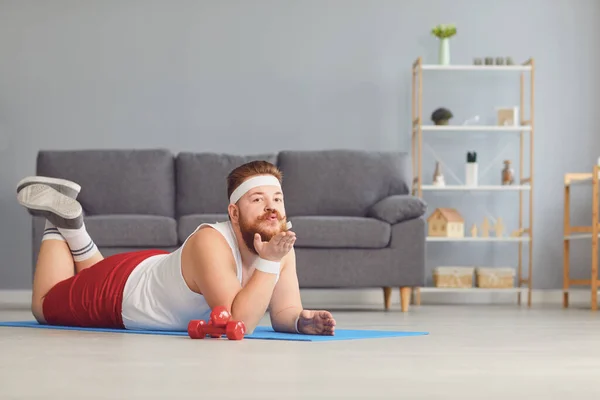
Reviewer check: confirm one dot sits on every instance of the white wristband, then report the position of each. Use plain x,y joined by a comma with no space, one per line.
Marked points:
296,324
270,267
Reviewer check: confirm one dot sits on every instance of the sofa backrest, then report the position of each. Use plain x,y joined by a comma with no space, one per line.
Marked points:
155,182
202,180
341,182
116,181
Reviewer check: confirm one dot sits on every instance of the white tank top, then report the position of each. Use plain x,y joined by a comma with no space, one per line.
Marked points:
156,295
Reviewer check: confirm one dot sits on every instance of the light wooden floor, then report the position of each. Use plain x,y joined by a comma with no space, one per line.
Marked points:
500,352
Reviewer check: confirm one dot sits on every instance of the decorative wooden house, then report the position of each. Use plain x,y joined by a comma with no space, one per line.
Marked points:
446,222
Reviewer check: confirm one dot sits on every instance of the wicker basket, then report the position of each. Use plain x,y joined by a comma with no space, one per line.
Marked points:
502,278
453,277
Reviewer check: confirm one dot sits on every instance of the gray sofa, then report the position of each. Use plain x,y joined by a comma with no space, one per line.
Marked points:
356,224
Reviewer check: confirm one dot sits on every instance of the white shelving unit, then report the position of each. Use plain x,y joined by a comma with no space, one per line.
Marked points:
478,239
482,188
478,68
473,290
474,128
524,184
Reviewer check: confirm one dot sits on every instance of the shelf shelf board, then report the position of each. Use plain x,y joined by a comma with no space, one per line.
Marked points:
482,68
480,188
577,236
479,239
474,128
474,290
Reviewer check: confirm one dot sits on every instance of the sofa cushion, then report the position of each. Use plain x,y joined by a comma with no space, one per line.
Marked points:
341,182
398,208
202,180
116,181
340,232
132,230
188,223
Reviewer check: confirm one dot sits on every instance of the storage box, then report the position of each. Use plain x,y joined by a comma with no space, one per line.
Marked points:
453,277
495,277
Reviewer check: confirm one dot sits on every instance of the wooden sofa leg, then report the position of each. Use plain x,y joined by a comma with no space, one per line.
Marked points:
417,296
387,297
405,293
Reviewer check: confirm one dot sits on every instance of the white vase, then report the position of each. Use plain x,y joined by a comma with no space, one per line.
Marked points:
471,174
444,51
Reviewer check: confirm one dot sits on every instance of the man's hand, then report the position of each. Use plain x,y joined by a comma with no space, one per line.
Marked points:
277,247
316,323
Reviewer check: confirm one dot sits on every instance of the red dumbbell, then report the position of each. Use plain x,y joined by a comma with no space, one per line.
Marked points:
220,316
218,325
196,329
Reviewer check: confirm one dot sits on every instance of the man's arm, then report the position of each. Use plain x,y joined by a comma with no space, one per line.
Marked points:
286,304
215,276
286,310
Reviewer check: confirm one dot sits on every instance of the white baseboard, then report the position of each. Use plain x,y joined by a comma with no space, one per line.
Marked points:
16,298
323,298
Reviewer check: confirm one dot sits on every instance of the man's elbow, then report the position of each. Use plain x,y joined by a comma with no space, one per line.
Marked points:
250,321
276,327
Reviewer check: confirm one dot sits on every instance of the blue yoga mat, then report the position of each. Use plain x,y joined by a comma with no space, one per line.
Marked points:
261,332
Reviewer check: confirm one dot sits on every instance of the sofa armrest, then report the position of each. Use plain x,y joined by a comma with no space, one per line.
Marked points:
398,208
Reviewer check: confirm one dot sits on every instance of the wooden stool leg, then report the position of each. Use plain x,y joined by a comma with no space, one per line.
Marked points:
566,273
594,277
387,297
595,204
566,245
405,297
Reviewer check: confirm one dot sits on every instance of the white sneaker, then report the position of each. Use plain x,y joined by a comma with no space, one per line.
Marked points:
63,186
44,201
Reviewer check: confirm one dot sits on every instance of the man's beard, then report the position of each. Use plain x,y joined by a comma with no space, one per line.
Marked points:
248,229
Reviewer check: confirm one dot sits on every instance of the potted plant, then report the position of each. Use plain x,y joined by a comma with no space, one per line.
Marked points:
441,116
444,32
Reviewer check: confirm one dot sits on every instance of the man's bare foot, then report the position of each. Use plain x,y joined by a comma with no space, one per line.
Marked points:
313,322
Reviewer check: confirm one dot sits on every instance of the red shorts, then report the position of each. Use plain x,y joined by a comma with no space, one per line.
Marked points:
93,297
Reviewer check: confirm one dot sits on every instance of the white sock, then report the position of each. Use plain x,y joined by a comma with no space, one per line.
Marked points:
52,232
81,244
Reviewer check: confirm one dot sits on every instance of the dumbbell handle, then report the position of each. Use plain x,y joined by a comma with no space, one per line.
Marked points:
210,329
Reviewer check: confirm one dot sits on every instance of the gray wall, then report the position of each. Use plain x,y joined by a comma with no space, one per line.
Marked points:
255,76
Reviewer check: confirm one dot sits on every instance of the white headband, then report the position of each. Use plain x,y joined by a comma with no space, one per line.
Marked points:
262,180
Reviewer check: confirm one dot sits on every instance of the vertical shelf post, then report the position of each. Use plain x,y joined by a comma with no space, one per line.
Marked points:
520,279
531,177
420,131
